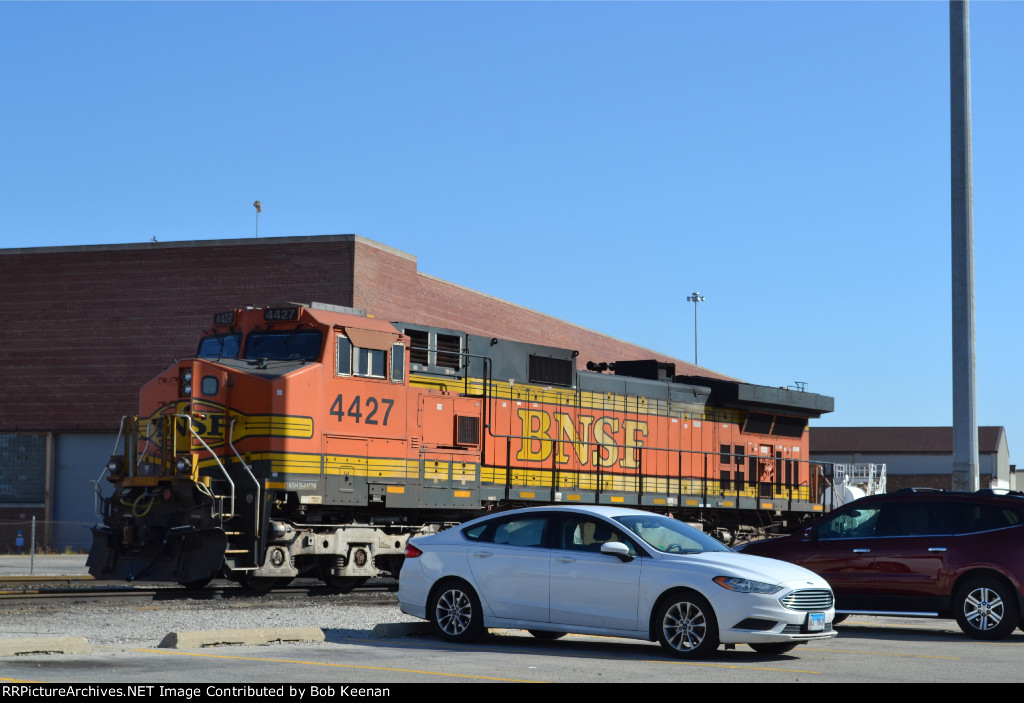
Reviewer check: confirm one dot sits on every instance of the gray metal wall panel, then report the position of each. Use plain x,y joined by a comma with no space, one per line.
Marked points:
79,459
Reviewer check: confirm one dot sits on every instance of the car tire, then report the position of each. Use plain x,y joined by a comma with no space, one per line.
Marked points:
545,635
455,612
773,648
839,618
986,609
686,626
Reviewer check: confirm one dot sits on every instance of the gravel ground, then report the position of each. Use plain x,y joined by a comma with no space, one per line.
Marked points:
134,623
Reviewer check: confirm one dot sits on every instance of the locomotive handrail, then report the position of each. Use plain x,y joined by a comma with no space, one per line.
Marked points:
248,470
188,419
97,499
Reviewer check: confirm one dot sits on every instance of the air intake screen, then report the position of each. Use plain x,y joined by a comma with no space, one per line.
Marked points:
448,350
788,426
758,423
467,430
418,343
554,372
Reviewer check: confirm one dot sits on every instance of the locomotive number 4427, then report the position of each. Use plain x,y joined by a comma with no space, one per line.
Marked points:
368,410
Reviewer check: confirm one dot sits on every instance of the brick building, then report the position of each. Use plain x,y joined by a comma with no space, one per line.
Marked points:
86,326
917,457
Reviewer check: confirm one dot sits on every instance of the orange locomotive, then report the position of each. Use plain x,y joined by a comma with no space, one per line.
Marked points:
315,440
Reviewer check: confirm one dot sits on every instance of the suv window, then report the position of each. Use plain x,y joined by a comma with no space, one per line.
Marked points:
983,517
914,518
850,523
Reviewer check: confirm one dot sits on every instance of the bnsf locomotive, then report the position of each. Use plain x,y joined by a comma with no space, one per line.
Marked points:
314,440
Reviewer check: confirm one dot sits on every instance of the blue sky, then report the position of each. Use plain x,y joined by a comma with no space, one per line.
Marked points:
594,161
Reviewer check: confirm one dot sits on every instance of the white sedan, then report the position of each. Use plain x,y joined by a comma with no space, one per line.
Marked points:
609,571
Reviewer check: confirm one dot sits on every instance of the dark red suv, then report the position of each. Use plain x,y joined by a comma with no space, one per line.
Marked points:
919,553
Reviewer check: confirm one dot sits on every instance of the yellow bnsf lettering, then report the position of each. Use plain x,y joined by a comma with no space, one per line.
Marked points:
539,433
580,441
608,453
536,435
633,442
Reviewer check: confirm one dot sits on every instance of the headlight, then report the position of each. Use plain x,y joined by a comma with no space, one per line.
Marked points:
184,464
187,375
746,585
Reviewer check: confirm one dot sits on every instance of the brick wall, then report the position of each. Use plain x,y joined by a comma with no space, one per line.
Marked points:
85,327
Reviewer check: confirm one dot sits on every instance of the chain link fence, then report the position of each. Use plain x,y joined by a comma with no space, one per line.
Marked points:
39,548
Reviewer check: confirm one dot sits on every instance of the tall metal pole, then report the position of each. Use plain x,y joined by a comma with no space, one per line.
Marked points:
695,298
965,407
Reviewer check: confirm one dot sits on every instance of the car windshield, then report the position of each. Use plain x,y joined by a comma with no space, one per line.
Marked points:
669,535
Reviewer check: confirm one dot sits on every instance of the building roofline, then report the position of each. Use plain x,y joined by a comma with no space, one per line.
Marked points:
193,243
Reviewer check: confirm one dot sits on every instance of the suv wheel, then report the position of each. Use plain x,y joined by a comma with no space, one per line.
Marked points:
986,609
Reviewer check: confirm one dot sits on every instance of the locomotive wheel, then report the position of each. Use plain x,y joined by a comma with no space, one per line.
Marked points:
262,584
343,584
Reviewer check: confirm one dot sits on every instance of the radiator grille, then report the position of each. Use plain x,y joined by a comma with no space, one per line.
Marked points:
810,599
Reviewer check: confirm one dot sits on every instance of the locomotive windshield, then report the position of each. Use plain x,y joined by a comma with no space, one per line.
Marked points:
219,346
304,345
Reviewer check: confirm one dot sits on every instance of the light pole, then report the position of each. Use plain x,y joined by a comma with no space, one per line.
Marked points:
695,298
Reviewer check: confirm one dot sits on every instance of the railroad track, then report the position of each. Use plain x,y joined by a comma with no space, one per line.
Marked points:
372,592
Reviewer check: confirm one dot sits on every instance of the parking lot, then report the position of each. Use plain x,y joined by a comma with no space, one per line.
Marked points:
879,650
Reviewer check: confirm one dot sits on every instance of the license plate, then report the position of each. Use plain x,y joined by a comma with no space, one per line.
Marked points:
815,622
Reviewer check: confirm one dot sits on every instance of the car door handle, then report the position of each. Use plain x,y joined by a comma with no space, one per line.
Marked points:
565,560
861,551
936,549
483,555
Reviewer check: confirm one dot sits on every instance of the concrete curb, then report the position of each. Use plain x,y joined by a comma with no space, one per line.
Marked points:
211,638
44,645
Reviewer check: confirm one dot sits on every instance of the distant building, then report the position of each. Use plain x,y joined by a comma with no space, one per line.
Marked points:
914,456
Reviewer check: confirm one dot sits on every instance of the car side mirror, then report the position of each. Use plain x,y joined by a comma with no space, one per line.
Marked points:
618,549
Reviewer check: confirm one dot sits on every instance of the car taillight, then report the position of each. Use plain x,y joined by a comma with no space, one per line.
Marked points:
411,552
